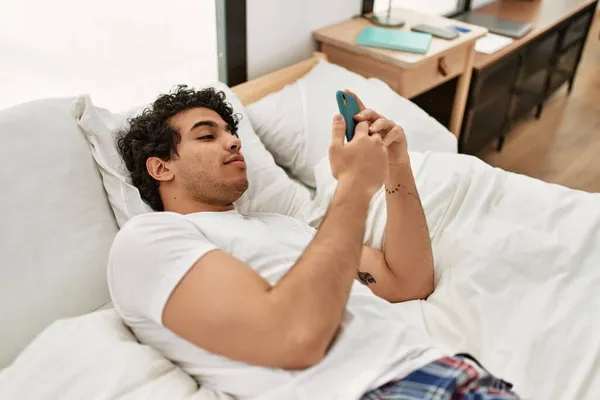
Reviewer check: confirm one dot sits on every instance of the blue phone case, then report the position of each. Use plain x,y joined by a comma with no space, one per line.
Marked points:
348,108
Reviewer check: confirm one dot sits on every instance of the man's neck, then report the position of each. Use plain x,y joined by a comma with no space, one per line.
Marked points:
189,206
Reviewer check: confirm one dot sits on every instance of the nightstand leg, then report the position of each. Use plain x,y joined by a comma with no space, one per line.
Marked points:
462,93
570,89
538,112
500,143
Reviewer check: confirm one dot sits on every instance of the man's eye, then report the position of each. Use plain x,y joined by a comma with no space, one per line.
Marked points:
206,137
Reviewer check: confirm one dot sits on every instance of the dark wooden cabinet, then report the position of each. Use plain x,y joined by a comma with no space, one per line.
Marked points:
509,88
489,103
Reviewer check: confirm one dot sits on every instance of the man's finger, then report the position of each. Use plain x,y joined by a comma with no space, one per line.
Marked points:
338,130
367,115
361,105
377,137
362,129
381,125
388,139
393,135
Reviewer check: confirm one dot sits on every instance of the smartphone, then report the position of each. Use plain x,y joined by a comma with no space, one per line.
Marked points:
348,106
435,31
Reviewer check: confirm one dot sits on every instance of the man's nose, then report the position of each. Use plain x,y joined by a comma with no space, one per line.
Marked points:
234,143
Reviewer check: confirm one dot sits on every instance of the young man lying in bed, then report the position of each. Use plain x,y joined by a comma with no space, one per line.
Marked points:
262,305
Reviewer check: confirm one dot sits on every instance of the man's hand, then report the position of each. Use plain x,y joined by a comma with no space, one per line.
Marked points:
362,162
393,134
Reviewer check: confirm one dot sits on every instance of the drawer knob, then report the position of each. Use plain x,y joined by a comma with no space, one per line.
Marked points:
443,67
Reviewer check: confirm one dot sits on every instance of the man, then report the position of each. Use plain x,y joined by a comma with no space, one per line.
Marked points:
262,306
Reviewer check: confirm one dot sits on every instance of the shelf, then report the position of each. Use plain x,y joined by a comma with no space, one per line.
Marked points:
565,49
523,105
533,84
568,59
576,31
485,125
528,95
558,79
538,54
497,84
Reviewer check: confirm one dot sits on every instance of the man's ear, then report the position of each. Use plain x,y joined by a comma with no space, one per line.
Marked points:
159,169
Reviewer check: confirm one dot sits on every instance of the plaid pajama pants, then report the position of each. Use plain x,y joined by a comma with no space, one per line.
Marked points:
449,378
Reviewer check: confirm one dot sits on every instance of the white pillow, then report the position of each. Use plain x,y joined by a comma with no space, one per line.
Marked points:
270,189
56,226
95,356
295,123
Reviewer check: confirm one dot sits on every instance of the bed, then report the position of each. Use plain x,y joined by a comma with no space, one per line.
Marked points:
516,259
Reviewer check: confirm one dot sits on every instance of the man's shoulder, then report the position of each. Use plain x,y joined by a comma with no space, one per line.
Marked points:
144,227
153,218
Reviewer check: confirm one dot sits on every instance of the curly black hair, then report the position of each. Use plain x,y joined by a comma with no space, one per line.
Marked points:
150,134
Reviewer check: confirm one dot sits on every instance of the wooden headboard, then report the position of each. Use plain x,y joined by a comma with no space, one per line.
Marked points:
256,89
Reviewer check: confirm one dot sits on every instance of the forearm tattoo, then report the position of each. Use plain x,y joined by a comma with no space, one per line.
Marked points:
366,278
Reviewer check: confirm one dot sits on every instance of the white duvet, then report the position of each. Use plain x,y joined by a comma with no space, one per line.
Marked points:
518,286
517,265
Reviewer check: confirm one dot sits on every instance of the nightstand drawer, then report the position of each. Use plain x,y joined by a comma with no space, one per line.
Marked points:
408,82
433,71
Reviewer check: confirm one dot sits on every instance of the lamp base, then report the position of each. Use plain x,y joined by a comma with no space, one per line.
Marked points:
386,20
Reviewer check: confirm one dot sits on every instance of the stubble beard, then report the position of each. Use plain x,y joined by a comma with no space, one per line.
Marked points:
205,190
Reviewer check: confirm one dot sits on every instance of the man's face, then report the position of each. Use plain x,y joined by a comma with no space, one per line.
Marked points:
210,167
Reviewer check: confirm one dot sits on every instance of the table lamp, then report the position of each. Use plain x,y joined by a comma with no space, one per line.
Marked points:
387,19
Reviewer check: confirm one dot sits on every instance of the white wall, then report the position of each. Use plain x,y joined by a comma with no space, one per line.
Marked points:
280,31
438,7
480,3
122,52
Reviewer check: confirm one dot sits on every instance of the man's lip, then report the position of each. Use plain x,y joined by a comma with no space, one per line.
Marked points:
238,164
237,157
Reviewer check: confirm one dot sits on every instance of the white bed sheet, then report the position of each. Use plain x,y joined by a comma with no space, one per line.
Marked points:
517,265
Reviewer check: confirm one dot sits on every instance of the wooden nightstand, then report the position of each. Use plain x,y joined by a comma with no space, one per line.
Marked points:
406,73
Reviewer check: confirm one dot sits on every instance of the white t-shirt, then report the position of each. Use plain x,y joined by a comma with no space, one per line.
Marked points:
153,252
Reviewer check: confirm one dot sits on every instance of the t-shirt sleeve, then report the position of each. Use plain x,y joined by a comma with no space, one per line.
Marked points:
309,229
148,258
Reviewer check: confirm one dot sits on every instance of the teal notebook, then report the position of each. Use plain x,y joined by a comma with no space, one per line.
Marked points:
395,39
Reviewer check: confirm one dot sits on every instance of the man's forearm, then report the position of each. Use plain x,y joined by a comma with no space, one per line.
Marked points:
315,291
407,246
